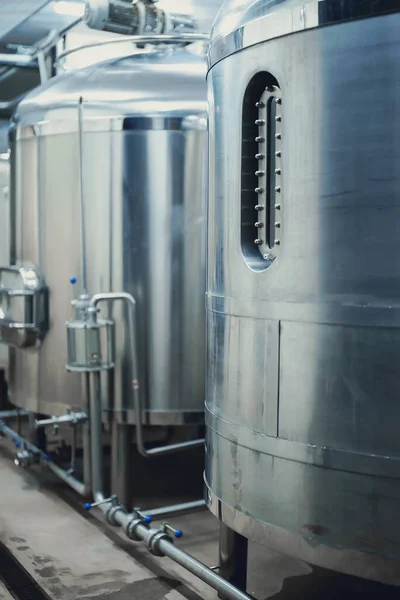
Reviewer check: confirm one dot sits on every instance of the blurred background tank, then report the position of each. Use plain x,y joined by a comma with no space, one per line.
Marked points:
144,135
304,279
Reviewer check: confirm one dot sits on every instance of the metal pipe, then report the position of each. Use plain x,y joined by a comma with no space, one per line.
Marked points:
163,545
162,38
136,391
78,486
16,437
87,457
96,436
72,417
228,591
121,463
9,414
18,60
82,196
41,57
73,451
175,509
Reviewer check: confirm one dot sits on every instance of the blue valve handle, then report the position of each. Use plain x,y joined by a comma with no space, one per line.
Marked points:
147,519
87,506
178,533
73,280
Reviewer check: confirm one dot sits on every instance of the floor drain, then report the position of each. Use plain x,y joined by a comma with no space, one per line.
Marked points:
17,580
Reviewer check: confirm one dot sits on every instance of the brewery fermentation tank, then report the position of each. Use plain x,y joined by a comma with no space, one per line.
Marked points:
142,160
303,287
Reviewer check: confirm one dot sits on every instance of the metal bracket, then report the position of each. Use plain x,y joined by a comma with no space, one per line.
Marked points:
23,306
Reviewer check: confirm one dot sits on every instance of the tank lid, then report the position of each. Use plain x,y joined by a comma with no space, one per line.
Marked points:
157,86
243,23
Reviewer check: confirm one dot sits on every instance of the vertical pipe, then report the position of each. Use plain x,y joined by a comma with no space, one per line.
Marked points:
96,435
233,557
3,390
41,440
31,433
87,461
82,196
121,463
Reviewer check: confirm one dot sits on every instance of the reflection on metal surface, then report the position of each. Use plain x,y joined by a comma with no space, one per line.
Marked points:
303,376
175,39
12,16
260,21
74,9
24,307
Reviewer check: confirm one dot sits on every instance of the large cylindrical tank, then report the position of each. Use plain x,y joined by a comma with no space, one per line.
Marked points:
303,449
143,163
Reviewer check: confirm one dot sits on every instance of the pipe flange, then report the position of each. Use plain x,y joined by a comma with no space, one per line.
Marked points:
154,539
130,529
111,513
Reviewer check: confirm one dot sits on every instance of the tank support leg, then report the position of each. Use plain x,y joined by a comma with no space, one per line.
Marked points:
121,472
233,557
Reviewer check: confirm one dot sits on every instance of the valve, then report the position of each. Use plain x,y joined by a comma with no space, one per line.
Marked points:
138,518
166,528
72,418
24,458
145,518
113,499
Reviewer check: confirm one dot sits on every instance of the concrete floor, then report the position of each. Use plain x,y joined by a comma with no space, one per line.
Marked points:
73,555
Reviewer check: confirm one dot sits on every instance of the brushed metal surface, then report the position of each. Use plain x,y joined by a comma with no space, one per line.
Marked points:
144,193
240,24
302,435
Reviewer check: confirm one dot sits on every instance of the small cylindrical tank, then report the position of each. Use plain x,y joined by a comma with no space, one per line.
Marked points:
143,164
302,407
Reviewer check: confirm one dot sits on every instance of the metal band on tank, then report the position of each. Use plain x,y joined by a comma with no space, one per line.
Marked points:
280,22
319,456
301,311
194,122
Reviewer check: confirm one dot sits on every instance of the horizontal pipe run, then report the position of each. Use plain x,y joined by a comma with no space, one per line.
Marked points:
15,437
175,509
167,548
18,60
78,486
9,414
171,447
161,38
72,418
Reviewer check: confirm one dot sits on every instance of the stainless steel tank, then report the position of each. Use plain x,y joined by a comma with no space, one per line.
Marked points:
4,214
143,163
302,409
